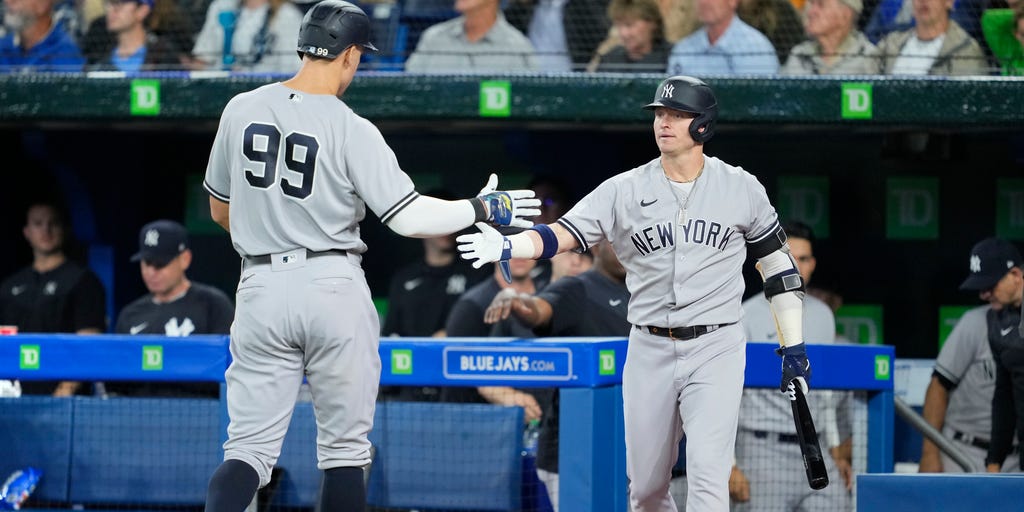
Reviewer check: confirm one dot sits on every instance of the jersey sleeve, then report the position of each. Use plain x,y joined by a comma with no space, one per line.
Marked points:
764,222
374,171
217,181
961,348
88,303
567,298
590,220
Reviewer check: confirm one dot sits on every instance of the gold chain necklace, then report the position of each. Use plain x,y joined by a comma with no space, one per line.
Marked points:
683,205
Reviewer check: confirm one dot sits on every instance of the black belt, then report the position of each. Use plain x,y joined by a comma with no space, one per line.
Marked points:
266,258
783,438
681,333
971,440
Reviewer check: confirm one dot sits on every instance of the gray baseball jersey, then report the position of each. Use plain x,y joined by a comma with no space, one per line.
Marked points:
299,171
678,275
683,251
966,361
328,162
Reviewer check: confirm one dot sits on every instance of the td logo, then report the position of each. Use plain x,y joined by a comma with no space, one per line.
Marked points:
881,367
857,101
152,357
606,362
401,362
29,357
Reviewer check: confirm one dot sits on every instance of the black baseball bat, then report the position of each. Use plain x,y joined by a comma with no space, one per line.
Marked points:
814,463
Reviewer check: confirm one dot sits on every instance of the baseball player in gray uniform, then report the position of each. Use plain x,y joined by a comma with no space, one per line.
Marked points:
958,401
769,475
682,226
291,174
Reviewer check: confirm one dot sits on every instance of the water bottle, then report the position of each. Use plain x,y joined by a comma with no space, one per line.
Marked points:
530,436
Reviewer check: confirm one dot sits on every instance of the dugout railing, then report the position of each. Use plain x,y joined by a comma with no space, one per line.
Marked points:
71,438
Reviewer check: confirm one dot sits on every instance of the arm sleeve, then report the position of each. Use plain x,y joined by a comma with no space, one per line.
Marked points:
762,234
466,319
1004,418
567,299
591,219
89,303
426,217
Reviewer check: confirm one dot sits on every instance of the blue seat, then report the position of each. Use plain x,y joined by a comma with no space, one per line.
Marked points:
35,431
144,450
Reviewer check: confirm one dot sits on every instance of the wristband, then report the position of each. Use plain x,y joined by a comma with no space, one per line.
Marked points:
549,241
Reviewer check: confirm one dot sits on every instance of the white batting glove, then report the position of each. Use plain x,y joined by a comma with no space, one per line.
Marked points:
484,247
508,208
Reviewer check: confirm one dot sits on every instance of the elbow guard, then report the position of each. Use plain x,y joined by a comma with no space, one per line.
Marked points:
786,281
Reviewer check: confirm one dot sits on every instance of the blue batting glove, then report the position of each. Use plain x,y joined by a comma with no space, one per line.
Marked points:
794,365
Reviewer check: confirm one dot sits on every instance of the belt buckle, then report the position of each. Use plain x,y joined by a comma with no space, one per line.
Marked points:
672,336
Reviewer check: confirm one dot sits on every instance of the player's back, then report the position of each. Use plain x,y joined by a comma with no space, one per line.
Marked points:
297,169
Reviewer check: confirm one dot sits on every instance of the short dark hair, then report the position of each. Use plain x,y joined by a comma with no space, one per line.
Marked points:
797,229
57,207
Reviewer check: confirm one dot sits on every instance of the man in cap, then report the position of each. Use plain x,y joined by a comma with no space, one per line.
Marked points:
958,401
175,306
835,47
997,277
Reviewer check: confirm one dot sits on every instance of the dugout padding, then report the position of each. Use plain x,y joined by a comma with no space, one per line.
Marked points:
35,431
143,450
428,455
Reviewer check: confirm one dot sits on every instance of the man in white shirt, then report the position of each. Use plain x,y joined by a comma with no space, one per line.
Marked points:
936,45
480,40
724,45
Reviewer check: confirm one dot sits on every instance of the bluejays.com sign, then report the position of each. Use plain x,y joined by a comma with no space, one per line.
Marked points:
508,364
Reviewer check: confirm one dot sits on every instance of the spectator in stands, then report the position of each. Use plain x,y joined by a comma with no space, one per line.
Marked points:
958,401
995,273
467,319
680,17
479,40
936,45
35,41
175,306
135,48
766,434
641,39
264,35
565,33
777,20
166,28
836,46
53,294
724,45
1004,34
588,302
898,15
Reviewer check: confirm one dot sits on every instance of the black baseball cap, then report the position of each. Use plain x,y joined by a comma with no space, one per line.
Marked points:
991,259
160,242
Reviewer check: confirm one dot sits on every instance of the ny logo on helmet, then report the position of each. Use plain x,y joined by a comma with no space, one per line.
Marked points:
666,92
152,238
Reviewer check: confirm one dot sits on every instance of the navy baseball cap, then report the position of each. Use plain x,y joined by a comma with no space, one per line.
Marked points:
991,259
160,242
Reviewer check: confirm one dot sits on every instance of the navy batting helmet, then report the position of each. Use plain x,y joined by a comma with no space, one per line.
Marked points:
688,94
331,26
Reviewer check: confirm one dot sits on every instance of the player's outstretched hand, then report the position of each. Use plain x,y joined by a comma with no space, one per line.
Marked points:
486,246
508,208
794,366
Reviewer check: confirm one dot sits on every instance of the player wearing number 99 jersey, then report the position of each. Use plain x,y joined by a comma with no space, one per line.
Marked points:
291,174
